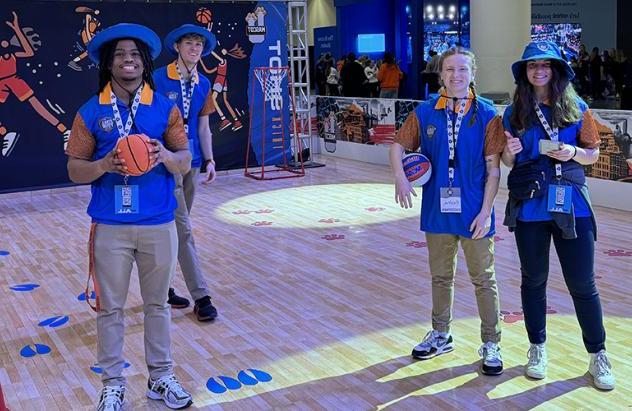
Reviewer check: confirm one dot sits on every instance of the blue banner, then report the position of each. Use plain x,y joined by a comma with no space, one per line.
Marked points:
325,41
268,91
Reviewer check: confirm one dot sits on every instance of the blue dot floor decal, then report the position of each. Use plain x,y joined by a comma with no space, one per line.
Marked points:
24,287
243,378
54,322
4,253
31,351
82,296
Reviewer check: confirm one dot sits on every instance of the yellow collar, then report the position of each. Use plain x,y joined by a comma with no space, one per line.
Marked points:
146,96
172,73
442,101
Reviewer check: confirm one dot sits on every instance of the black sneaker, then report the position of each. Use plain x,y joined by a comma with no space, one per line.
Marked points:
204,309
432,345
175,301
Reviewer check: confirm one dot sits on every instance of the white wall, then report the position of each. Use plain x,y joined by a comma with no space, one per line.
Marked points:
500,29
320,13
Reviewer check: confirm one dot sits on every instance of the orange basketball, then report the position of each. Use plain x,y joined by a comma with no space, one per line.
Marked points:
135,151
203,15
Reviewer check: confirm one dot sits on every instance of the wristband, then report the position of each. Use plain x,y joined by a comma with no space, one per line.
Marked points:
575,153
206,163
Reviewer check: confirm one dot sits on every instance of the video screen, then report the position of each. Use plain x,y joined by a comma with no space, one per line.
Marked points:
566,35
371,43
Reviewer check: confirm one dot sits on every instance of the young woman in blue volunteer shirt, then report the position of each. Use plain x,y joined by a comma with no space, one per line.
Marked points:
546,110
462,136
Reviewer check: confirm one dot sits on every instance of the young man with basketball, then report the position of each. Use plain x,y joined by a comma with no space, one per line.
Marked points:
126,103
182,84
458,132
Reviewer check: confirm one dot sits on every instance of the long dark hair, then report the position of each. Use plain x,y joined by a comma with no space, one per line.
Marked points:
461,50
106,57
562,97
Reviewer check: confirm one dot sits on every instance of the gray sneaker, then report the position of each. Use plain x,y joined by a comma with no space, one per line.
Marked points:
168,389
601,371
111,398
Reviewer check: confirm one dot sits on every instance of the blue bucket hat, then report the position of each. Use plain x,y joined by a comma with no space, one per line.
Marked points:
124,31
174,35
542,50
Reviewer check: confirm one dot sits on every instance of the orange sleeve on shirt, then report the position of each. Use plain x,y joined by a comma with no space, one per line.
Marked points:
175,136
495,138
81,143
209,106
589,134
408,134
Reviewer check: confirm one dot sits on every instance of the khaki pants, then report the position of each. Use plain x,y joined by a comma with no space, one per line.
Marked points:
187,253
479,255
154,249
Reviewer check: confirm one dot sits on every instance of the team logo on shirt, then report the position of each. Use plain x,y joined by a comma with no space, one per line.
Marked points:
106,124
172,95
430,130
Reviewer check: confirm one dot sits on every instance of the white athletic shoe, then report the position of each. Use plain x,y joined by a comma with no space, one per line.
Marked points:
601,371
111,398
492,362
168,389
433,344
536,367
8,143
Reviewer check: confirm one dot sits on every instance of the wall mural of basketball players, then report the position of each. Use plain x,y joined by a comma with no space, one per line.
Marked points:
204,16
10,83
90,27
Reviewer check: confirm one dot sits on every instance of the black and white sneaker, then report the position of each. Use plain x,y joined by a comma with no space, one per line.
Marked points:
492,363
168,389
432,345
111,398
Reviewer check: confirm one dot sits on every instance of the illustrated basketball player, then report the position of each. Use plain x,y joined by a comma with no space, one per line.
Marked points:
10,83
90,27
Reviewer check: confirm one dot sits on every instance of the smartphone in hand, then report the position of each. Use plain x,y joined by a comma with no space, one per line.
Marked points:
548,145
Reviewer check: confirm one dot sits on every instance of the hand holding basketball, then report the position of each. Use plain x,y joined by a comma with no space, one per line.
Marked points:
134,152
158,153
111,163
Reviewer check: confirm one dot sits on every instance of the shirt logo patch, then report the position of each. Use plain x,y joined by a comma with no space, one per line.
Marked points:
430,130
172,95
106,124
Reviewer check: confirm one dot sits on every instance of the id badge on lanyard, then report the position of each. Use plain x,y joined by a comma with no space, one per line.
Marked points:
126,197
559,198
450,197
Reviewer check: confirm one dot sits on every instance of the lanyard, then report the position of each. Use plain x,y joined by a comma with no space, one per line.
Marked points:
453,136
186,97
553,134
124,131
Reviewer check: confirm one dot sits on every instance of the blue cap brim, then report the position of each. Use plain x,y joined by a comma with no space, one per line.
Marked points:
125,31
174,35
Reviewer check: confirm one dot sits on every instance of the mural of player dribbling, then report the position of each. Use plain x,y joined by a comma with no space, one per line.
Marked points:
89,29
10,83
220,85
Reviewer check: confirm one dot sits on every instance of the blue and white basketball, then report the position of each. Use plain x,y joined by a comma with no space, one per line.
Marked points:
417,168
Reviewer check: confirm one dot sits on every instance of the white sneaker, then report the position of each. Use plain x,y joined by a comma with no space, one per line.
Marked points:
536,367
168,389
8,142
433,344
601,371
111,398
492,363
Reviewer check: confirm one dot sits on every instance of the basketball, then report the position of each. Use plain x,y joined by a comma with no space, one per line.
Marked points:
135,151
203,15
417,168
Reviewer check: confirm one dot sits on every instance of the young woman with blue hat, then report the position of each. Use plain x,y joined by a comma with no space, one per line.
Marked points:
461,134
182,84
132,217
551,133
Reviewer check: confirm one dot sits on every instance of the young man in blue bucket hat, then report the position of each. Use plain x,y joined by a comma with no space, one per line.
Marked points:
132,216
182,84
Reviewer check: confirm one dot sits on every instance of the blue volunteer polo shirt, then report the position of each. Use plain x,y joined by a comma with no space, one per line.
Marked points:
167,83
94,135
474,143
582,133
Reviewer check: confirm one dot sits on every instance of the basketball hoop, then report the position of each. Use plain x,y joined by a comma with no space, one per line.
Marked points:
276,134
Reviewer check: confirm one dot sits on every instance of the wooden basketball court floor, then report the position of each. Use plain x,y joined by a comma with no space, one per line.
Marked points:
322,284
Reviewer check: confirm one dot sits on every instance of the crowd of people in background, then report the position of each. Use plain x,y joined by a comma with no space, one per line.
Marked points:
600,75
